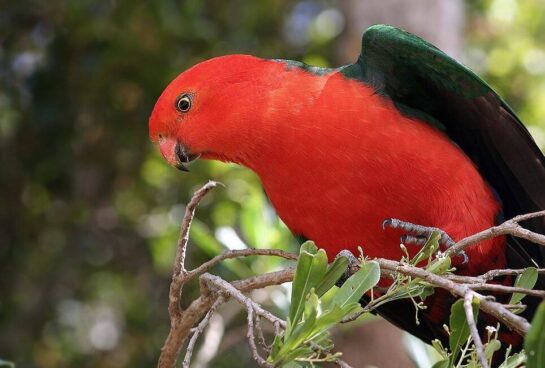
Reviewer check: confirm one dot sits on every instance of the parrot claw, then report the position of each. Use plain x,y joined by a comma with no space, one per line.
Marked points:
466,257
421,234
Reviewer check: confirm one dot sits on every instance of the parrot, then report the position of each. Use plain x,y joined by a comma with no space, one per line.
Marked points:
402,142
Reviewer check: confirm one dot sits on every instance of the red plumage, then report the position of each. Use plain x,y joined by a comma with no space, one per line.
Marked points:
335,158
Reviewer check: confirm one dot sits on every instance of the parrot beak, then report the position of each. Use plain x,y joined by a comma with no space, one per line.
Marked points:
183,157
176,154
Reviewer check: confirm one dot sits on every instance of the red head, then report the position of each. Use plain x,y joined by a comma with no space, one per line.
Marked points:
211,110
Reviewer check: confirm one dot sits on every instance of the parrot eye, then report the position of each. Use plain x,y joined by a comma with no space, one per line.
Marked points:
183,103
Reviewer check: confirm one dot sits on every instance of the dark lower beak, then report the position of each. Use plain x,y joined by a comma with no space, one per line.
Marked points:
183,157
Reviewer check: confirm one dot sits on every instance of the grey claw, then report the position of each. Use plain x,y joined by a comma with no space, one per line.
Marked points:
387,223
466,258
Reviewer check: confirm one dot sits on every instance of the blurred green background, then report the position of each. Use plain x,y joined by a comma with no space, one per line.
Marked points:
89,211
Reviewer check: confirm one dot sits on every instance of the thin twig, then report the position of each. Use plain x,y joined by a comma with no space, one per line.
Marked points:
177,282
468,308
492,274
231,291
199,330
236,253
264,280
172,345
507,289
181,248
260,334
251,338
509,227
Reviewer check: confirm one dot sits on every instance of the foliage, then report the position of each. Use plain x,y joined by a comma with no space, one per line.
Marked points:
317,305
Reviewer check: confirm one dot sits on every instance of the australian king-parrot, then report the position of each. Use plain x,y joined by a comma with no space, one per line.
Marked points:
405,132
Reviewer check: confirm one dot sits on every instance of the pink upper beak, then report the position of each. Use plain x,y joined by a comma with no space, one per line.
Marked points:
167,146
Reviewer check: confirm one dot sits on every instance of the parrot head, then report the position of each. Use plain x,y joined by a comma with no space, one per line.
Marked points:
211,110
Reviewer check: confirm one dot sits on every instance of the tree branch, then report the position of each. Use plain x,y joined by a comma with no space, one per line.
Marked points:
490,275
509,227
179,270
468,308
237,253
199,330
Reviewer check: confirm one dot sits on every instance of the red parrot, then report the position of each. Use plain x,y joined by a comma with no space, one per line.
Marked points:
405,132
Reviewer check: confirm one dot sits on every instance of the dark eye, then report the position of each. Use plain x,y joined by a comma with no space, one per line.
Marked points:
183,103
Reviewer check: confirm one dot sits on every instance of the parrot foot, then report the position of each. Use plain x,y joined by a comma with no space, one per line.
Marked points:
421,234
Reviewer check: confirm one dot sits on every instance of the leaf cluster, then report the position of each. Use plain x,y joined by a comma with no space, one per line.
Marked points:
317,305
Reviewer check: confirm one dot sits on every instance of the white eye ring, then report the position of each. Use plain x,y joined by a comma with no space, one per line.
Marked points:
183,103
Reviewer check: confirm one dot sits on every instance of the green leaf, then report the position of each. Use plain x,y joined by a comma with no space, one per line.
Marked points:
527,279
358,284
439,265
294,354
311,268
459,331
276,346
534,343
442,364
425,292
431,246
514,361
438,346
309,247
299,333
490,348
333,274
332,317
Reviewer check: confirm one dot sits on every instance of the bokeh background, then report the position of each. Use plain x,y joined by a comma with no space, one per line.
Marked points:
89,212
